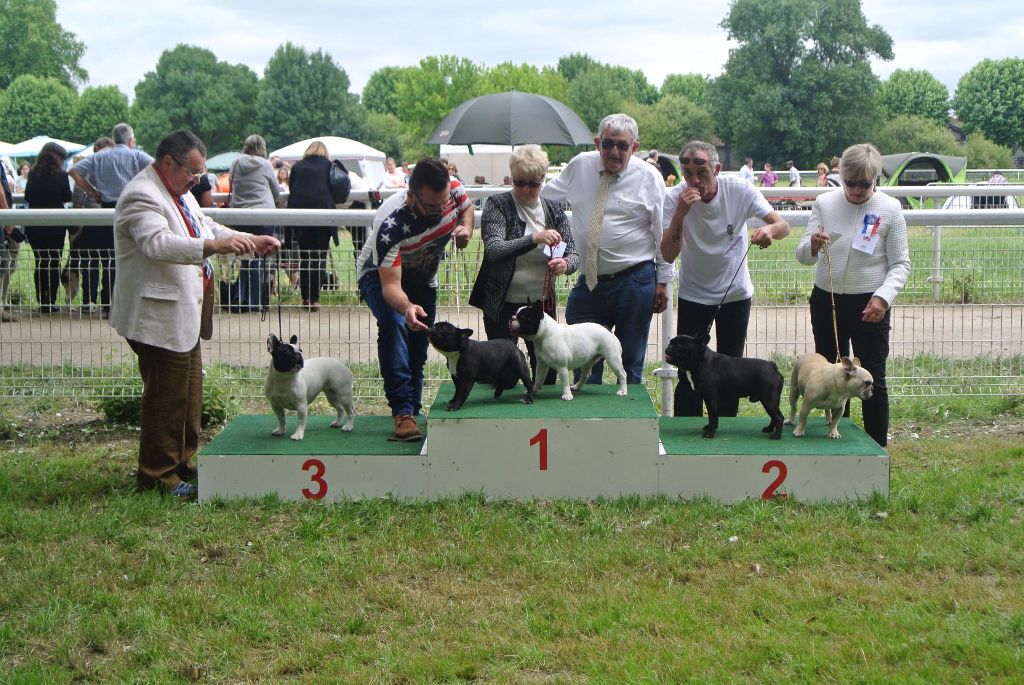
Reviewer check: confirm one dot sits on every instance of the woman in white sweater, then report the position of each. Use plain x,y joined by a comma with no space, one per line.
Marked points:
868,263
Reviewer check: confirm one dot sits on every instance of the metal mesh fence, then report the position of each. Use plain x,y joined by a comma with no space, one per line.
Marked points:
957,326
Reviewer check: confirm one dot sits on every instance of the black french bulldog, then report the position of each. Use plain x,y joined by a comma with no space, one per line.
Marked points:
717,376
498,362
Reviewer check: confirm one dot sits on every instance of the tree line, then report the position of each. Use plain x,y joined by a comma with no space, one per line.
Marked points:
798,86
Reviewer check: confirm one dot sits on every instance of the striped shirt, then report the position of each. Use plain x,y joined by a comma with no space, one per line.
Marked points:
402,238
110,170
884,272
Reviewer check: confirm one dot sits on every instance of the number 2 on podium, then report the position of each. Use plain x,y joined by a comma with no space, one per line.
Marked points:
779,480
541,438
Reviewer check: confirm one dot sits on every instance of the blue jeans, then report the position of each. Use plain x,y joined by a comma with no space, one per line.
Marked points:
400,352
625,305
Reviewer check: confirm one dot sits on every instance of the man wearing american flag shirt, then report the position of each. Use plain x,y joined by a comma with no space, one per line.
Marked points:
398,280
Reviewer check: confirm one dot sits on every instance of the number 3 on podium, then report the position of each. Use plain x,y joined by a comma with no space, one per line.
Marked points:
317,477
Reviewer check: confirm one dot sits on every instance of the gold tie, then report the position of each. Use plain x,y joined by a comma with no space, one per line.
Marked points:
594,226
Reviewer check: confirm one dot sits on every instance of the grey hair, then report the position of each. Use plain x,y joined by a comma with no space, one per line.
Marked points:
861,161
255,145
619,123
529,161
178,144
701,146
122,134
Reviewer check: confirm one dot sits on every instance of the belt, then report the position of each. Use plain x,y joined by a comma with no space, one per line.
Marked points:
624,272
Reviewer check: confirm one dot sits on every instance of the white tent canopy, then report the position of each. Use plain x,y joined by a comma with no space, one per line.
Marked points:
357,157
5,148
489,161
32,146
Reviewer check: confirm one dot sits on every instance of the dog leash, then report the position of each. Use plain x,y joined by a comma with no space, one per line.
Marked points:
455,281
707,330
832,294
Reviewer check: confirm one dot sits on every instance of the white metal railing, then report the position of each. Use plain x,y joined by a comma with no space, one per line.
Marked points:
67,352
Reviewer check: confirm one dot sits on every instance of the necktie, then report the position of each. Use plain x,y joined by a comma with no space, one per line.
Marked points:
594,225
193,230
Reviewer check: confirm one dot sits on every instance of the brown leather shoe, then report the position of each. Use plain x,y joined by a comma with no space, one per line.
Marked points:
406,429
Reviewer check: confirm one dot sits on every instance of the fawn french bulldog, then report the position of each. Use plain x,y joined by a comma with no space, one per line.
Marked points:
826,386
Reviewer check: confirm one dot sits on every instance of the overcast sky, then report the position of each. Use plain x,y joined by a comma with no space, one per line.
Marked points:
124,39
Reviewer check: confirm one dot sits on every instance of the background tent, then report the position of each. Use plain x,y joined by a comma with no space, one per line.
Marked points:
489,161
223,161
922,169
32,146
357,157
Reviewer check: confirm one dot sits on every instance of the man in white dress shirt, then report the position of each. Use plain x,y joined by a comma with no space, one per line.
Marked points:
624,281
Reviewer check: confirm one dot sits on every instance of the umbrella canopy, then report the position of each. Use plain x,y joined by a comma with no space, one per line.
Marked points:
32,146
512,118
223,161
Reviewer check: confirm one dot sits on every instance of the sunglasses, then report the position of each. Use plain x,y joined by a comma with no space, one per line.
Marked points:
611,144
692,160
863,185
519,183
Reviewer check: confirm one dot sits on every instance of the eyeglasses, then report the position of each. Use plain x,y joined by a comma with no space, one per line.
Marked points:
863,185
430,212
520,183
611,144
692,160
194,174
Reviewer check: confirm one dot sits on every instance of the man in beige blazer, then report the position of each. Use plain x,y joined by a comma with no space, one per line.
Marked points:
162,303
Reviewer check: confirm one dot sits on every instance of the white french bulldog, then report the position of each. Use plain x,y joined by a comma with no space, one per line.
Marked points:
826,386
294,382
565,347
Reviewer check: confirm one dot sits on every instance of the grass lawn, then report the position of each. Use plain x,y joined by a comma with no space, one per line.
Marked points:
105,585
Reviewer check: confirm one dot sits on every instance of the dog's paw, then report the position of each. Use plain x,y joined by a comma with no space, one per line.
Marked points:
298,436
788,422
335,423
279,432
621,392
707,432
797,433
567,396
775,436
349,426
834,435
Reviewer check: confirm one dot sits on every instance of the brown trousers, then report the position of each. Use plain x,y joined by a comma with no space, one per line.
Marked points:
172,403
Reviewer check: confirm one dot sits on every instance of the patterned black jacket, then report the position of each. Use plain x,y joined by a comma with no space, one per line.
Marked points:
505,239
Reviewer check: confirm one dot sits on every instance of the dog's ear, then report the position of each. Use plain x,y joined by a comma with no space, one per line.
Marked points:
294,340
847,364
465,332
856,361
704,340
538,305
272,342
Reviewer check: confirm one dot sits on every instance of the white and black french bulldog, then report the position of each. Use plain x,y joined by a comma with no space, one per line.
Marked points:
293,382
717,376
497,362
566,347
826,386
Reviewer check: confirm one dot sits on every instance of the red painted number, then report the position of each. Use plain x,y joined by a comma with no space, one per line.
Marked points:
768,466
316,477
541,438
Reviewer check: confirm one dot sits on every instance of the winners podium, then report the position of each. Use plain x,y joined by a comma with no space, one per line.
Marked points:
598,445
